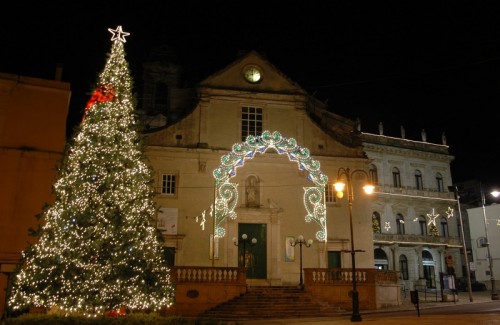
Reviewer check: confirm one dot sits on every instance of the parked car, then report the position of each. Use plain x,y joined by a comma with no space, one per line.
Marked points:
475,285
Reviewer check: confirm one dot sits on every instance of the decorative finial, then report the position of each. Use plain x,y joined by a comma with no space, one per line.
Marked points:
381,128
403,134
424,136
443,138
118,34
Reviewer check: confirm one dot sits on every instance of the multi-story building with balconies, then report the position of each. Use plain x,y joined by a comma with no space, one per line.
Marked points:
416,229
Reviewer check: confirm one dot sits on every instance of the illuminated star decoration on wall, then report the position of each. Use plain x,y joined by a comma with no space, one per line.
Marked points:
432,218
449,213
203,217
387,225
118,34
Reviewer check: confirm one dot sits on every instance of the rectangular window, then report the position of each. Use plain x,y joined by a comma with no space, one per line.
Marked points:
440,185
251,122
423,227
396,179
330,196
444,228
403,268
418,182
373,176
168,184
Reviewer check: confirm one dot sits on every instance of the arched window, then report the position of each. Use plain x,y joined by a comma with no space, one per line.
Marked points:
422,225
396,177
403,267
373,174
439,182
381,261
428,263
400,224
376,223
419,185
444,227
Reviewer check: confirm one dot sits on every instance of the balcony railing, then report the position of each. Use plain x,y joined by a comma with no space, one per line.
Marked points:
416,239
413,191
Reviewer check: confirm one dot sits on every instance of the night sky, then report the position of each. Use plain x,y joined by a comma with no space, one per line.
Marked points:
421,65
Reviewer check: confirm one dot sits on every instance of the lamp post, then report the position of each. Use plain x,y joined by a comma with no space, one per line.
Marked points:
339,188
494,294
464,245
244,240
300,241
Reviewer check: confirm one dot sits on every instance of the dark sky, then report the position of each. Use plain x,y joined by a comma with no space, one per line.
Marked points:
423,65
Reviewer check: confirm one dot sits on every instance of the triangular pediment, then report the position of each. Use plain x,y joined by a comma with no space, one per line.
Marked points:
233,77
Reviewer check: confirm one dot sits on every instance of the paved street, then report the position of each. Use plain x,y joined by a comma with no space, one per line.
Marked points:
380,317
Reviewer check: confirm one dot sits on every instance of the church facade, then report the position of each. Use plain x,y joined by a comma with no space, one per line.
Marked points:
252,148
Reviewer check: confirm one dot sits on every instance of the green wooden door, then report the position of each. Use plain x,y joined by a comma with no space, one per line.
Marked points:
255,255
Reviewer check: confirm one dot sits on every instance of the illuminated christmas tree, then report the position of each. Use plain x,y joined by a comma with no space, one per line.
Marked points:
98,249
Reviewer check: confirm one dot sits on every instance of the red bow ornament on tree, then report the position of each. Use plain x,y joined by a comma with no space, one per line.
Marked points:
103,93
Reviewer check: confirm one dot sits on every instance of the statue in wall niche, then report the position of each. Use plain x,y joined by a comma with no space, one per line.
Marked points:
252,188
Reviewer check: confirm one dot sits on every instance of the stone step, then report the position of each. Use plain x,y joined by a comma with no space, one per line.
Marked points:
261,302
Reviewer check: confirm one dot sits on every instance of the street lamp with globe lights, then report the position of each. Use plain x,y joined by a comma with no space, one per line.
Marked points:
300,241
339,188
244,240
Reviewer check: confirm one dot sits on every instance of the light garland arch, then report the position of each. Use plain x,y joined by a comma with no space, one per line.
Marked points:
226,194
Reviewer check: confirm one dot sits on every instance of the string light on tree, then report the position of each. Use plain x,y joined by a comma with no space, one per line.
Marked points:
98,251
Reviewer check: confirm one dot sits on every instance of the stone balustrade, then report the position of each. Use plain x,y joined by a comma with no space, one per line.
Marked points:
198,289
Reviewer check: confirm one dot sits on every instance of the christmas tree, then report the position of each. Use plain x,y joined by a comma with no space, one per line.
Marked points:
97,248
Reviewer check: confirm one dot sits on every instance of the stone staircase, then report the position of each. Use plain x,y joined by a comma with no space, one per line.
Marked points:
261,302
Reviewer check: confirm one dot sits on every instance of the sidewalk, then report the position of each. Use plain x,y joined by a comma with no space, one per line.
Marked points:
380,317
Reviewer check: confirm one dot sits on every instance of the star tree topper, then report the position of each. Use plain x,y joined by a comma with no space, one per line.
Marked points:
118,34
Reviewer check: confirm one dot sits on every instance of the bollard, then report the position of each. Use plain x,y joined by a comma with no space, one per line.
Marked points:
414,300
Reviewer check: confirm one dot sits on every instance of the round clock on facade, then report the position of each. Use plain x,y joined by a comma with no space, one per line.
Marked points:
252,74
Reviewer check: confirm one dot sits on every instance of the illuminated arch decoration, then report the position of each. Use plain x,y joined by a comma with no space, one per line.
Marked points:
226,194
